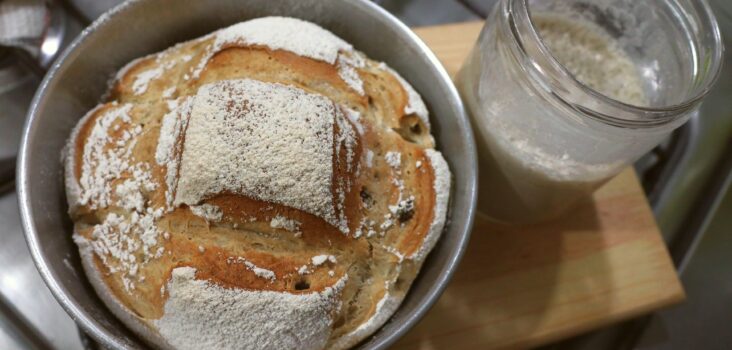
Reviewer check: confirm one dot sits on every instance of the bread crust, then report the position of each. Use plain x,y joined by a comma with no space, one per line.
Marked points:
387,183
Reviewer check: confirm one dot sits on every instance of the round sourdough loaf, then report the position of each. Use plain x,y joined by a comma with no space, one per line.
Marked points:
264,186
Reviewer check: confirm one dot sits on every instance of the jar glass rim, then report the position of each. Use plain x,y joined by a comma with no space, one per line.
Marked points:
549,72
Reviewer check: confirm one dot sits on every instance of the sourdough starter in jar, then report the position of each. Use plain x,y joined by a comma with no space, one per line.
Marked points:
592,57
521,178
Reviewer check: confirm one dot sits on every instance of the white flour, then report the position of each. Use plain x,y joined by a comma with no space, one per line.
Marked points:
259,271
284,33
139,86
202,315
321,259
290,225
442,194
384,309
394,159
168,148
208,212
415,104
119,241
268,141
294,35
100,165
347,64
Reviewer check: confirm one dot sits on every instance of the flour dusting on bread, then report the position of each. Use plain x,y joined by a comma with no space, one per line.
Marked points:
384,309
244,319
105,156
143,79
281,194
289,34
167,152
208,212
250,137
415,104
282,33
259,271
441,185
282,222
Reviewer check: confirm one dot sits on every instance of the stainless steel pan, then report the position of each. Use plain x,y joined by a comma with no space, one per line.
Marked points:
78,79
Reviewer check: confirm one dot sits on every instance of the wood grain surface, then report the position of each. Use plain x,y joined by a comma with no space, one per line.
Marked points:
523,287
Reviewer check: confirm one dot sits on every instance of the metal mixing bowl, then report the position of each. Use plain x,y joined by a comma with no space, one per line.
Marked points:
79,78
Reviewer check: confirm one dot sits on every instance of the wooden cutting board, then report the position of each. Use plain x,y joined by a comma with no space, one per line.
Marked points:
523,287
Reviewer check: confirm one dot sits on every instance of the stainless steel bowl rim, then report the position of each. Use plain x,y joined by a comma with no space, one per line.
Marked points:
91,326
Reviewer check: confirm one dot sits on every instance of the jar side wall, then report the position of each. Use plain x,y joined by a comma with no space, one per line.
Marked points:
536,156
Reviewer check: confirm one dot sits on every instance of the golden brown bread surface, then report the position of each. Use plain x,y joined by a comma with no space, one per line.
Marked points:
196,255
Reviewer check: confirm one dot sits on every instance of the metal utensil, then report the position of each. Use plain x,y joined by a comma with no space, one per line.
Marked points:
76,82
36,60
39,52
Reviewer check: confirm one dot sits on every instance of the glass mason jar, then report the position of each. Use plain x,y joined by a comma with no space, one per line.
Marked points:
555,119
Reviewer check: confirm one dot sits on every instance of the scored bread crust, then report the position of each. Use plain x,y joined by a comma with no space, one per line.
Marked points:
130,319
170,234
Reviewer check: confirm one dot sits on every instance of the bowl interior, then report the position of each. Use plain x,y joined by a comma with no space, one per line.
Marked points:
78,80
